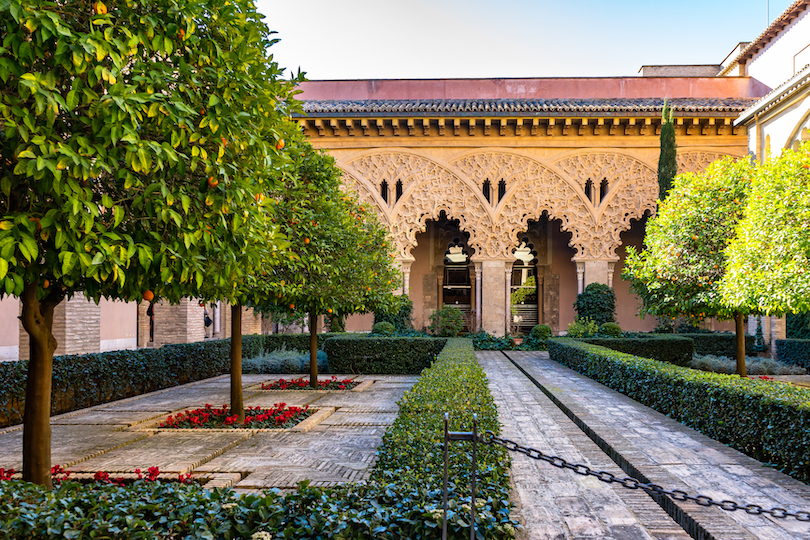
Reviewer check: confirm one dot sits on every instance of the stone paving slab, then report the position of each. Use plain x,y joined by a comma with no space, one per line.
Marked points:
70,444
671,455
179,400
554,503
354,418
102,417
173,453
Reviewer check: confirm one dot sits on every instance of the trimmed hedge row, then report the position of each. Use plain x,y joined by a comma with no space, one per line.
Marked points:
718,344
664,348
794,351
381,355
81,381
403,499
767,421
299,342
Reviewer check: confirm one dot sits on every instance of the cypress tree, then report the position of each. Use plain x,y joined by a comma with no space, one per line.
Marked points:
667,162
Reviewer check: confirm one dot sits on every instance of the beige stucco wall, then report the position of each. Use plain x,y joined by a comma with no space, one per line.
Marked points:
119,325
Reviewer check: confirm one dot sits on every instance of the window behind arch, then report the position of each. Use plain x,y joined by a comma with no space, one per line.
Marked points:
384,190
399,189
501,190
486,189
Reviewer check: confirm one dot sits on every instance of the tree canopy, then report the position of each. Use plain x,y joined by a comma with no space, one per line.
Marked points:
134,135
769,258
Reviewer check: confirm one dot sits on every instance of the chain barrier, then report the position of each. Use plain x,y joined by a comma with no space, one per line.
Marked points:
489,438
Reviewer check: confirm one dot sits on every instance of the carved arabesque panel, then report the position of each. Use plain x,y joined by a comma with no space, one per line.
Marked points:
696,162
493,166
430,190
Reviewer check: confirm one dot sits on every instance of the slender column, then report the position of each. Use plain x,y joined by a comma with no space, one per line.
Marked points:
217,307
478,272
580,276
611,266
440,279
492,303
508,295
405,266
540,299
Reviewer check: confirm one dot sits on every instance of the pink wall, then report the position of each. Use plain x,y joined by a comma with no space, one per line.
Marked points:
563,88
627,303
561,264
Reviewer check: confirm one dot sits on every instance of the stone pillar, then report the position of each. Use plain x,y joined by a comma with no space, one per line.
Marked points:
611,266
181,323
477,295
492,296
216,316
76,327
251,322
507,272
580,277
540,298
778,331
440,281
405,265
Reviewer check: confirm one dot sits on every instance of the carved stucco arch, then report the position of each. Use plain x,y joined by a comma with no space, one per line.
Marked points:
429,187
696,160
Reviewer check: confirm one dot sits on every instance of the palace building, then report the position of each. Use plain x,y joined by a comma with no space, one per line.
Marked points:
492,187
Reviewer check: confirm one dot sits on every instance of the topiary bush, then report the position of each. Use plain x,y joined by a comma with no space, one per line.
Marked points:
610,329
383,328
597,303
382,355
758,418
541,332
794,351
582,328
446,322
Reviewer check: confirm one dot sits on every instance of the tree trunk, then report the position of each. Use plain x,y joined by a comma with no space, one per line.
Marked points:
313,348
37,319
740,327
237,404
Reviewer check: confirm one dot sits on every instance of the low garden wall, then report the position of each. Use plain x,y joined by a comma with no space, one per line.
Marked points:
762,419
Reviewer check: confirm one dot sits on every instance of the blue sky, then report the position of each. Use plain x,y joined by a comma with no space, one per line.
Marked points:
399,39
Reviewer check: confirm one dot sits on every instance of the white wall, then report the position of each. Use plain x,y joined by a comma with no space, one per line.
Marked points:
782,58
9,329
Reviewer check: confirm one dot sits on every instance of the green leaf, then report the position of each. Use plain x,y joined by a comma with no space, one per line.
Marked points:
3,268
98,258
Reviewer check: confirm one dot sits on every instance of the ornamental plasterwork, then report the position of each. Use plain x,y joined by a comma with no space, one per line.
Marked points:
532,188
696,162
428,189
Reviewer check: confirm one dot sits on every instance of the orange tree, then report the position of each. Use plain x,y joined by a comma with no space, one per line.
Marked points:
684,259
769,259
134,133
340,257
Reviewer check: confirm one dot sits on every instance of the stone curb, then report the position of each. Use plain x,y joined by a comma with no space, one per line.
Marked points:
362,386
314,420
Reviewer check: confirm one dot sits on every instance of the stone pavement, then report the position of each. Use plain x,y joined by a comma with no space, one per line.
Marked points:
336,444
571,416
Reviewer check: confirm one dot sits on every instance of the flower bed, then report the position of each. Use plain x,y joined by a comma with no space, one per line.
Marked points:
303,384
278,417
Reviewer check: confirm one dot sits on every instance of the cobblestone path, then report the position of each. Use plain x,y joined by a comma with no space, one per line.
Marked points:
558,504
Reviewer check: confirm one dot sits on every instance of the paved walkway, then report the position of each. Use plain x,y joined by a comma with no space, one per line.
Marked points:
336,444
558,504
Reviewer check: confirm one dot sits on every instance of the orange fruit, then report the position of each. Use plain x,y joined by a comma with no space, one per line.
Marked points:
213,182
148,295
329,310
46,284
306,240
292,306
280,144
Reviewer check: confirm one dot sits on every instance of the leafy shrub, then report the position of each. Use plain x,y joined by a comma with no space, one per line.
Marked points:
582,328
794,351
384,328
797,325
482,341
610,329
672,349
597,303
756,417
541,332
381,355
401,318
81,381
284,361
754,365
446,322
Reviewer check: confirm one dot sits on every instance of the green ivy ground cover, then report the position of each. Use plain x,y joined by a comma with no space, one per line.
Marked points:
402,500
765,420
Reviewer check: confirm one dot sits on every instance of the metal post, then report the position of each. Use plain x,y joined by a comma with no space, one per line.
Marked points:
474,473
446,459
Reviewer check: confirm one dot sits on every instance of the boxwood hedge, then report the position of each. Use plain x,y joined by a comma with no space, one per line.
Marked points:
81,381
664,348
718,343
766,420
402,500
794,351
381,355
